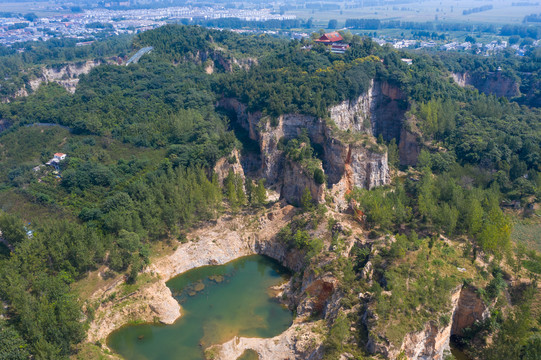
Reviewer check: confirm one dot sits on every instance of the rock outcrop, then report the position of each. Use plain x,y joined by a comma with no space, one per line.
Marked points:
154,302
495,83
350,156
226,164
218,59
469,309
388,107
432,341
357,164
355,115
297,342
409,148
295,180
65,75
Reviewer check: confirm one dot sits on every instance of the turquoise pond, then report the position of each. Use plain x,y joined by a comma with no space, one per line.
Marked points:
218,303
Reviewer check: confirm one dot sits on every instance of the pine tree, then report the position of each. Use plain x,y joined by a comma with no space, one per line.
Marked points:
392,154
230,191
260,193
248,184
239,189
306,199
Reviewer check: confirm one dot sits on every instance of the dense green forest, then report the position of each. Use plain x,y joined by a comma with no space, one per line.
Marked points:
142,141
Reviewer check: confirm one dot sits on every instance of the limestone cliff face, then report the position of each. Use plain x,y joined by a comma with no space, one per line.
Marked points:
409,148
380,111
388,106
219,59
470,308
355,115
348,163
355,164
224,165
432,341
66,76
494,83
295,180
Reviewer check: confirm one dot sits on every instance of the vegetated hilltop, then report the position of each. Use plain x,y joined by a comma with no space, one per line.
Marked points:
401,179
24,66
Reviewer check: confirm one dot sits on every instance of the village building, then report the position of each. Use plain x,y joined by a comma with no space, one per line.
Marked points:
330,38
339,48
59,156
55,161
407,61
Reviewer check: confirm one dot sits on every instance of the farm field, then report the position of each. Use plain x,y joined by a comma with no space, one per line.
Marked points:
502,13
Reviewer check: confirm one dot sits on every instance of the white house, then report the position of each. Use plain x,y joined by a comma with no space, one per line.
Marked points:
407,61
60,156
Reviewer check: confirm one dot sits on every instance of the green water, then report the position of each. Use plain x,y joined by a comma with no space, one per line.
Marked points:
457,353
235,300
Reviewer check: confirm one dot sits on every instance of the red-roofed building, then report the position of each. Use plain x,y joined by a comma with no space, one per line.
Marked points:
59,156
330,38
339,48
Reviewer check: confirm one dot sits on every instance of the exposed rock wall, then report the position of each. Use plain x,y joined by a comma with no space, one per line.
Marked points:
388,106
378,111
295,180
66,75
350,163
495,83
355,164
462,79
355,115
470,308
409,148
223,166
297,342
221,61
432,341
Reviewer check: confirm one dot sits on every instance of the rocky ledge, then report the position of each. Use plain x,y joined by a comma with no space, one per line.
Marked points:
431,342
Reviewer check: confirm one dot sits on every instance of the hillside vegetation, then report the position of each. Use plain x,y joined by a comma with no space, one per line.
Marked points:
142,142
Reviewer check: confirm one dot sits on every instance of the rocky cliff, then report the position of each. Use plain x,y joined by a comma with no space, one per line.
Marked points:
388,107
350,155
218,59
409,147
295,180
226,164
355,115
432,341
66,75
494,83
469,309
